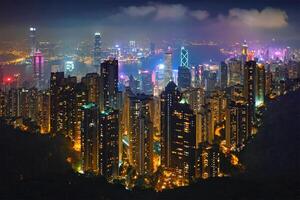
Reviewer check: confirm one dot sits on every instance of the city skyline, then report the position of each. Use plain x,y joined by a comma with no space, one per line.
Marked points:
150,100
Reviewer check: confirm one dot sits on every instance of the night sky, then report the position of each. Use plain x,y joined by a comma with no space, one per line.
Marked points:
226,20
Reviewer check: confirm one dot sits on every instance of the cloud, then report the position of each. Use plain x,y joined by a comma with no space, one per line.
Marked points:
199,14
170,11
138,11
159,11
266,18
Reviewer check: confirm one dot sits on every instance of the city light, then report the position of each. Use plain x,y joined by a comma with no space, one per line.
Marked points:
147,101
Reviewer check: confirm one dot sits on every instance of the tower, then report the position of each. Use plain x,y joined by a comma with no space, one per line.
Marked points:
223,75
184,77
260,82
90,138
183,141
184,57
92,84
33,41
169,98
38,70
168,74
109,84
249,87
236,125
141,133
97,49
109,143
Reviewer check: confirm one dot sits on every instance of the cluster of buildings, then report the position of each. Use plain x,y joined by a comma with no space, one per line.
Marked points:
185,124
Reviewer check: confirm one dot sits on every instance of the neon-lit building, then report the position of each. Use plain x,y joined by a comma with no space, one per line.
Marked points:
260,82
38,70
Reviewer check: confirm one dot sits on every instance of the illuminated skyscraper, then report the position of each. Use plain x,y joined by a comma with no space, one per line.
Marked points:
244,52
62,104
168,76
234,72
169,98
237,124
56,101
92,83
195,98
44,111
183,141
260,82
109,84
184,57
208,161
97,49
141,133
90,138
80,100
249,87
109,143
33,41
38,70
205,125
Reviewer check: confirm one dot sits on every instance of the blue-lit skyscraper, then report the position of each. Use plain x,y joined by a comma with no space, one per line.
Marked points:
184,57
97,49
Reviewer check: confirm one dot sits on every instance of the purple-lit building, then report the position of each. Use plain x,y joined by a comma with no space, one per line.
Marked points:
38,70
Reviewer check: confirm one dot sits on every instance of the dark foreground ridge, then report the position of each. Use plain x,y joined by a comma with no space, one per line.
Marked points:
34,167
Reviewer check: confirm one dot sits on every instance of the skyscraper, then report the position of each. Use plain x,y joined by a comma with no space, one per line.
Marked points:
33,41
184,57
260,82
38,70
211,81
80,100
90,138
169,98
208,161
141,133
56,101
168,76
92,83
249,87
97,49
43,108
244,52
237,124
146,82
223,75
109,143
184,77
183,141
62,104
109,84
235,73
